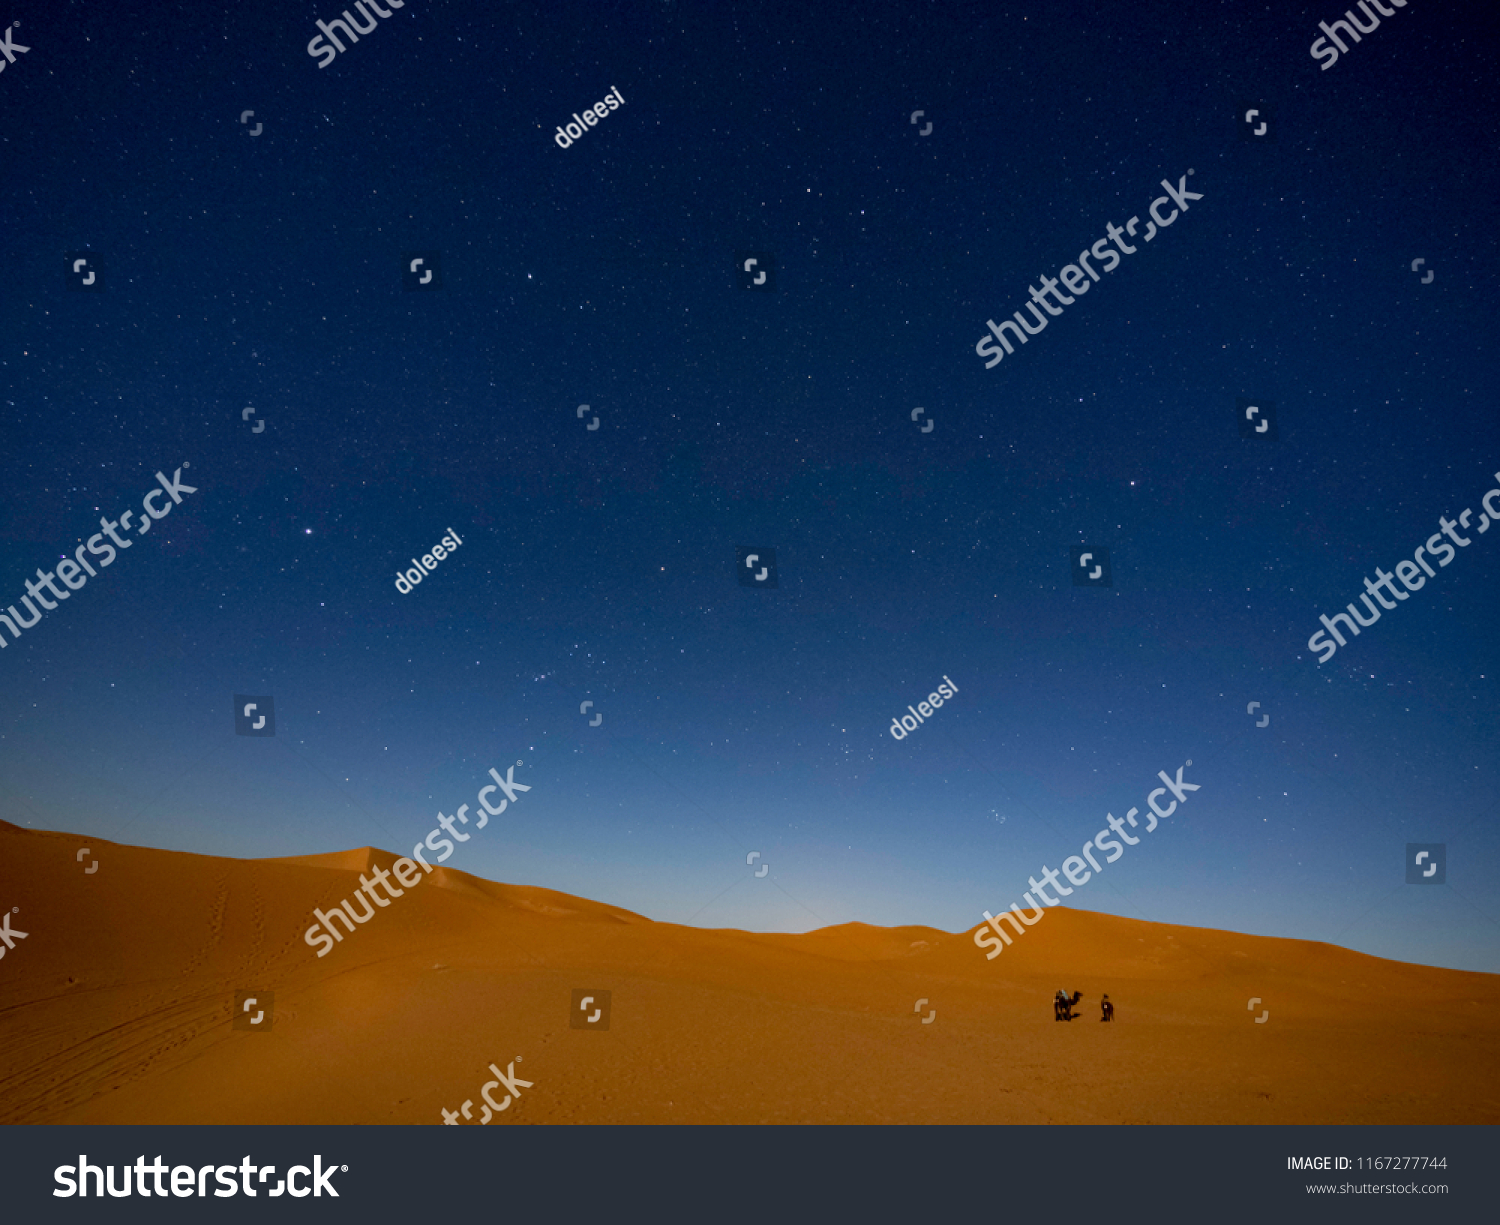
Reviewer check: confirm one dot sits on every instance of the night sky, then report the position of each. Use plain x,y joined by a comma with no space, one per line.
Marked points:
601,565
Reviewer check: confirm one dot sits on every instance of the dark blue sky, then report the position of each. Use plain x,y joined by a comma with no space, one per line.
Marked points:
598,565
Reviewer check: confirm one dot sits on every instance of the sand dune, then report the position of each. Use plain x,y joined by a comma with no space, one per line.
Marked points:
117,1006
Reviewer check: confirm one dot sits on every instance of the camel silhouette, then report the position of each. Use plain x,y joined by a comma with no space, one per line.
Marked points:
1062,1006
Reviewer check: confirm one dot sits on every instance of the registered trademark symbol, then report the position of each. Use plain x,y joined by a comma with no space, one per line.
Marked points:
15,910
518,762
345,1169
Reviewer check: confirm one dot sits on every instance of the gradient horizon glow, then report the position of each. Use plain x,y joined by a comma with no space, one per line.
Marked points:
599,565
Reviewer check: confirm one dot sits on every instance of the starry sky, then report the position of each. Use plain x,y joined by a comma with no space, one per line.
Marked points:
600,565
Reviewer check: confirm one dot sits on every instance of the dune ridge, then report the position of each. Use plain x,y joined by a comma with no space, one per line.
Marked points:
117,1008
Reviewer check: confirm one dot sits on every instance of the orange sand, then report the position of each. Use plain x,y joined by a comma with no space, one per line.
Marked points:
116,1009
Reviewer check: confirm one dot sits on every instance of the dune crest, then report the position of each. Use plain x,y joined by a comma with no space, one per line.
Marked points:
118,1006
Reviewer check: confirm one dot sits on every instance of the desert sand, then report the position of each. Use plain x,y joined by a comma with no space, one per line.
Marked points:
116,1008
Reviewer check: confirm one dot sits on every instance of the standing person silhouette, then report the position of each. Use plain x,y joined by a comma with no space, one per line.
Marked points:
1108,1010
